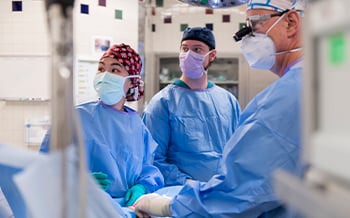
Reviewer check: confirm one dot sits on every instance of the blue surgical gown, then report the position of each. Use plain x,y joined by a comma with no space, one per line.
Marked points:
191,128
118,144
268,138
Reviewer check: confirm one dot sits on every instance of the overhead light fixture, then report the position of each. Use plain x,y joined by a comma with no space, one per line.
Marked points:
215,3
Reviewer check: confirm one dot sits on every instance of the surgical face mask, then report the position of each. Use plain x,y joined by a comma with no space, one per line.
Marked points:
191,64
110,87
259,49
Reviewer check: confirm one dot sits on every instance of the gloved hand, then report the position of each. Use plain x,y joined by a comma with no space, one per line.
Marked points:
101,179
153,205
133,194
189,180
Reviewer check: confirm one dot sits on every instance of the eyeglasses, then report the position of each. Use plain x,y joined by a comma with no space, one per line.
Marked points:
255,22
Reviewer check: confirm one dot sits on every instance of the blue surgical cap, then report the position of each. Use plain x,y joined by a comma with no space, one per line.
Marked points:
276,5
202,34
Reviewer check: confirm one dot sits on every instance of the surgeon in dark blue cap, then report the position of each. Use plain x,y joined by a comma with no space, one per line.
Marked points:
192,118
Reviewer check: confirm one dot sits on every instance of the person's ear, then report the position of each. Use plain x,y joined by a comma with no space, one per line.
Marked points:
127,85
294,23
212,55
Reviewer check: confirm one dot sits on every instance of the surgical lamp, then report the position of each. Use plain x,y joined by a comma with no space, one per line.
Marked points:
215,3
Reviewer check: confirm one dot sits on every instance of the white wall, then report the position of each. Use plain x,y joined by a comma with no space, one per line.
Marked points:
13,115
169,34
101,22
25,34
166,41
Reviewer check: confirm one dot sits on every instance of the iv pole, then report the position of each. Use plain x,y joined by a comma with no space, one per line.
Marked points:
65,125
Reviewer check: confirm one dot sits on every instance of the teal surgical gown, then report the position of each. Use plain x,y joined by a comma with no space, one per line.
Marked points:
119,145
191,128
267,138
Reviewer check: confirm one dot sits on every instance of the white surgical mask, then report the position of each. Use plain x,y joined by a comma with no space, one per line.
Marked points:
259,50
191,64
110,87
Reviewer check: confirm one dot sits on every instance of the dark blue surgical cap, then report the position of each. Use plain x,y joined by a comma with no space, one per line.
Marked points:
202,34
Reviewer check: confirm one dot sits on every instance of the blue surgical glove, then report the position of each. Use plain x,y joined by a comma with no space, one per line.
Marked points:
101,179
133,194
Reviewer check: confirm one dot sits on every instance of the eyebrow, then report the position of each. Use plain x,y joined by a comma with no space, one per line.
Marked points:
117,64
192,46
113,64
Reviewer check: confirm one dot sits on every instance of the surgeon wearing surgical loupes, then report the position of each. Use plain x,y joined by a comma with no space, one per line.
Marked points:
268,136
119,148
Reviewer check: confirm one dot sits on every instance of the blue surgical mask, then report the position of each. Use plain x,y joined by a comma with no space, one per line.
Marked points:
191,64
110,87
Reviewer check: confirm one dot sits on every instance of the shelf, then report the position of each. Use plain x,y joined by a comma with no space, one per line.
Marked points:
25,99
223,72
227,82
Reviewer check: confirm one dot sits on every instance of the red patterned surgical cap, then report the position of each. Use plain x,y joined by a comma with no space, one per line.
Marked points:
131,60
125,55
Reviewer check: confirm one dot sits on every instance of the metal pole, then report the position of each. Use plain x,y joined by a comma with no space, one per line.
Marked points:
61,29
65,126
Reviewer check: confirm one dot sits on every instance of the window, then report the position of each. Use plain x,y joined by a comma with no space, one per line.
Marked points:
118,14
209,11
226,18
209,26
102,3
183,26
84,9
16,5
167,19
159,3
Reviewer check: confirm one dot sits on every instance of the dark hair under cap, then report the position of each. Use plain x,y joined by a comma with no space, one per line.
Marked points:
202,34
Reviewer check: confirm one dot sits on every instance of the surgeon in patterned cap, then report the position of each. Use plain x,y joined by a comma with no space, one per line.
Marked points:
268,136
119,147
131,61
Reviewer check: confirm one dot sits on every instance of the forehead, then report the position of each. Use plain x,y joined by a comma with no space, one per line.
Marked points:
191,42
109,61
254,12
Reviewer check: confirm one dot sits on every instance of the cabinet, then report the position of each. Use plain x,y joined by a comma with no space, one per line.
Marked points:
229,70
224,72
